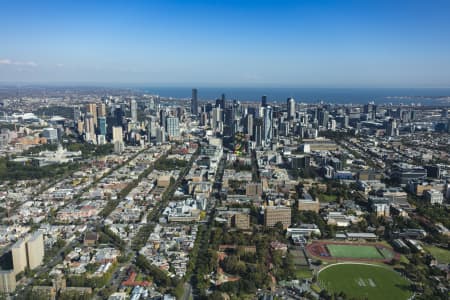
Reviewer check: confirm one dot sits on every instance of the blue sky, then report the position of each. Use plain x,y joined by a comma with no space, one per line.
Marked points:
313,43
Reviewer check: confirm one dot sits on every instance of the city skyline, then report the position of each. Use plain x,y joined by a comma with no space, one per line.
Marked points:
197,43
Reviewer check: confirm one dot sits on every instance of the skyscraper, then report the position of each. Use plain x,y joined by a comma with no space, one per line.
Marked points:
90,127
291,108
162,117
391,127
249,125
76,113
91,108
264,101
222,101
101,110
323,118
173,127
117,134
267,125
101,125
216,117
258,131
133,107
194,103
118,116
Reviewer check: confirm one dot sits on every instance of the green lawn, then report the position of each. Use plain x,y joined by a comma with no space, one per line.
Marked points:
354,251
442,255
327,198
303,273
365,282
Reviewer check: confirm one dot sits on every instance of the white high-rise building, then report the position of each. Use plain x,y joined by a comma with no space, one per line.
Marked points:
117,134
291,108
267,125
133,106
173,127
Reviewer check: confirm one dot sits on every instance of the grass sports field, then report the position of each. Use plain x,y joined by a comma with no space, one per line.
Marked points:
353,251
364,281
442,255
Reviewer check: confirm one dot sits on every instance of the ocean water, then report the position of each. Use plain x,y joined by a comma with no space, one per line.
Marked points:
428,96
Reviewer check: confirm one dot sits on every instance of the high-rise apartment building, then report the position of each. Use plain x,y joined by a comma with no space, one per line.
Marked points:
7,281
91,109
35,250
101,110
133,108
27,252
117,134
267,125
173,127
291,108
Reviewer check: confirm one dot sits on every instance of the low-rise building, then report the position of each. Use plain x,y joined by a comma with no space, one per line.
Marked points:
434,197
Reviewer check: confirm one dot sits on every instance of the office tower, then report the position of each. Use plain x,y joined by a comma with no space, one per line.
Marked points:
236,110
374,111
117,134
216,117
332,124
162,117
102,125
101,110
291,108
150,129
444,113
258,131
267,125
76,113
204,119
228,116
276,214
160,135
173,127
284,128
133,108
323,118
91,109
368,108
448,125
391,127
51,134
264,101
207,107
249,125
346,120
119,114
218,103
222,101
194,103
